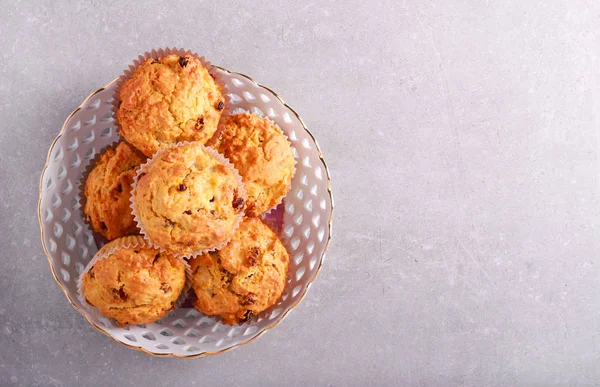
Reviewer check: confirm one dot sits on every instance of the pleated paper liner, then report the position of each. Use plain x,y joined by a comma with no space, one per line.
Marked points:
211,152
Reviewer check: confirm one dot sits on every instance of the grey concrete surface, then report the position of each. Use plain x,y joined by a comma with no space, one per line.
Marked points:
463,139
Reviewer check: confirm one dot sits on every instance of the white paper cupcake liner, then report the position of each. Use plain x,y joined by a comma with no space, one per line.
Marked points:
189,276
159,53
211,152
213,141
110,248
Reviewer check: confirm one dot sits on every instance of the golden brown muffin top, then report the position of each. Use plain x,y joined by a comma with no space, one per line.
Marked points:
263,157
134,285
187,200
243,278
169,100
108,189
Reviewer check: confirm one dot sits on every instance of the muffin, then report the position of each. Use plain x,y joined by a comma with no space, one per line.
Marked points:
108,189
262,155
187,200
135,283
243,278
169,100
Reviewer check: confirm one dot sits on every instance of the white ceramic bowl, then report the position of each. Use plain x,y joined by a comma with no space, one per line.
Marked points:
304,218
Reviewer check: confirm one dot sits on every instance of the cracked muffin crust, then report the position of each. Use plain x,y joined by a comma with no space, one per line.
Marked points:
108,189
262,155
134,285
243,278
169,100
187,201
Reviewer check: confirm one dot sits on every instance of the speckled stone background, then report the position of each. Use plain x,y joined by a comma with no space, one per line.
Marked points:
463,139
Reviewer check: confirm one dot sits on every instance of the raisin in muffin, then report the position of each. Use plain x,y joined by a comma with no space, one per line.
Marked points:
108,189
243,278
135,284
187,201
169,100
262,155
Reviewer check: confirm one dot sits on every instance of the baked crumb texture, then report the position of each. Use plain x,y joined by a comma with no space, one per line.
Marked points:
187,201
243,278
262,155
169,100
108,189
134,285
